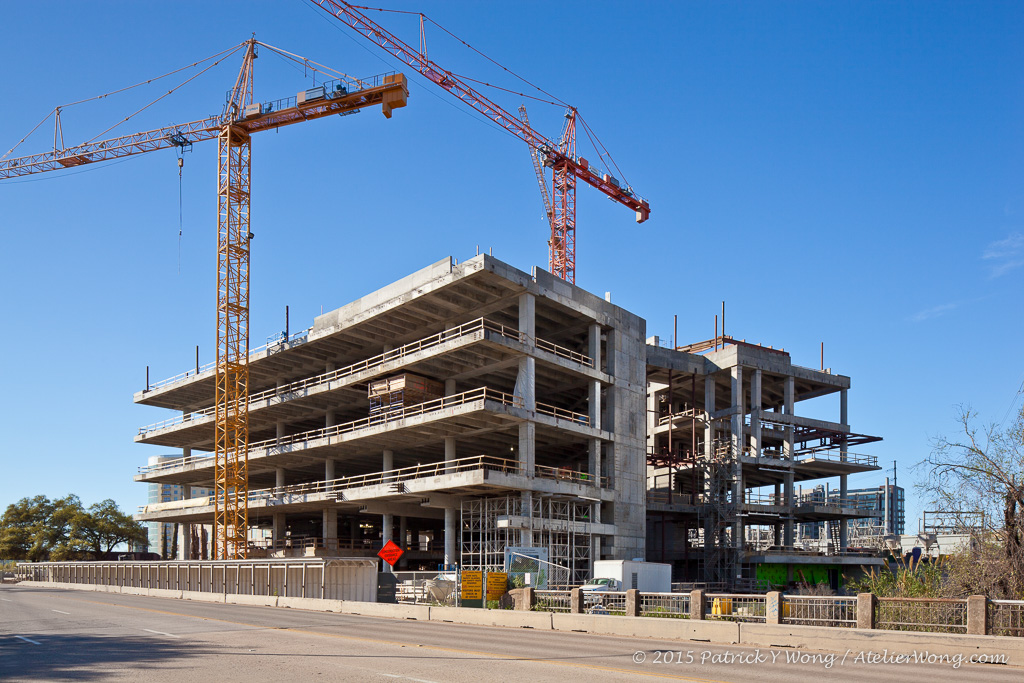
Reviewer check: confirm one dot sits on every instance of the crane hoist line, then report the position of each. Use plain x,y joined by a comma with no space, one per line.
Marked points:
242,116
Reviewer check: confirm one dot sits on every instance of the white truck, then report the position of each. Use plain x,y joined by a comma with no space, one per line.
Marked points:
621,575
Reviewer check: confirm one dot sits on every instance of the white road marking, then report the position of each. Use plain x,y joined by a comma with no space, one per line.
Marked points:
161,633
59,612
28,640
408,678
6,600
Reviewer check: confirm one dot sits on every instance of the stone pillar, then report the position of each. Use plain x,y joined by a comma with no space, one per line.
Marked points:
575,601
977,615
632,602
450,536
697,604
787,453
866,610
773,607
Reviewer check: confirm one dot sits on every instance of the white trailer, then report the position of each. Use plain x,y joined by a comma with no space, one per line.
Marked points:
647,577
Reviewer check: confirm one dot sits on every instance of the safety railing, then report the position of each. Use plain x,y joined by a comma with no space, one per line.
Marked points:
301,337
812,610
551,601
563,414
668,605
1006,617
404,474
563,352
434,340
836,455
735,607
670,497
436,405
942,615
566,474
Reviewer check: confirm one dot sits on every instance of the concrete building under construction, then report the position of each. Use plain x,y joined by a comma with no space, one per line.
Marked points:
470,408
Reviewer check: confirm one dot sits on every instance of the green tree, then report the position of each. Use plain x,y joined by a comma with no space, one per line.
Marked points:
103,526
982,469
40,529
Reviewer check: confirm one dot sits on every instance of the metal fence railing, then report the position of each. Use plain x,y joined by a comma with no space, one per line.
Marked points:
808,610
552,601
1006,617
669,605
735,607
604,602
939,615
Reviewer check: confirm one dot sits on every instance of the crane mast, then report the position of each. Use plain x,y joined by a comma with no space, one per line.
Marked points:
232,130
561,157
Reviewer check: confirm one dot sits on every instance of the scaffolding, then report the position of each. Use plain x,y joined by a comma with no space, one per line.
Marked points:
558,524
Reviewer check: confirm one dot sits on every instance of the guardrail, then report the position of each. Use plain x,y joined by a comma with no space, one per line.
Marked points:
1006,617
440,404
944,615
665,605
404,474
563,414
808,610
735,607
434,340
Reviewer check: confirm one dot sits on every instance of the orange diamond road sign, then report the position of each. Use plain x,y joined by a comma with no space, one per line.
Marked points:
390,553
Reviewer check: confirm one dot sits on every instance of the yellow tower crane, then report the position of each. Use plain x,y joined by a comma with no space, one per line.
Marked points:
242,117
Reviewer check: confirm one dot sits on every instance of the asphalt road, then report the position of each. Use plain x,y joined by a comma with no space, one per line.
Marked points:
48,634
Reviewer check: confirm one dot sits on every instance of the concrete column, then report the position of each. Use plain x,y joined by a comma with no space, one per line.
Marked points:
279,528
186,453
450,387
844,419
388,461
755,412
527,447
185,540
787,452
387,529
526,503
403,532
331,418
738,447
709,407
279,477
354,531
450,536
594,460
330,529
528,316
280,429
449,441
594,390
526,382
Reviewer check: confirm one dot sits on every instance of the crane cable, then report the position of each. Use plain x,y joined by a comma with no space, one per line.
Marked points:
181,164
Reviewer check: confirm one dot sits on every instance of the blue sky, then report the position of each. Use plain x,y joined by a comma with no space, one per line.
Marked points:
846,173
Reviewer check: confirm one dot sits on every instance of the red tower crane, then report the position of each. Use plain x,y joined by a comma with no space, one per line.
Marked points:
567,168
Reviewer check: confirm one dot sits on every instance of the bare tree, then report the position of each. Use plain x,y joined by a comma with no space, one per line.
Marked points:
983,469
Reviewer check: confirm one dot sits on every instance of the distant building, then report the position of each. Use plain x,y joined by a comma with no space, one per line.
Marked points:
161,534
